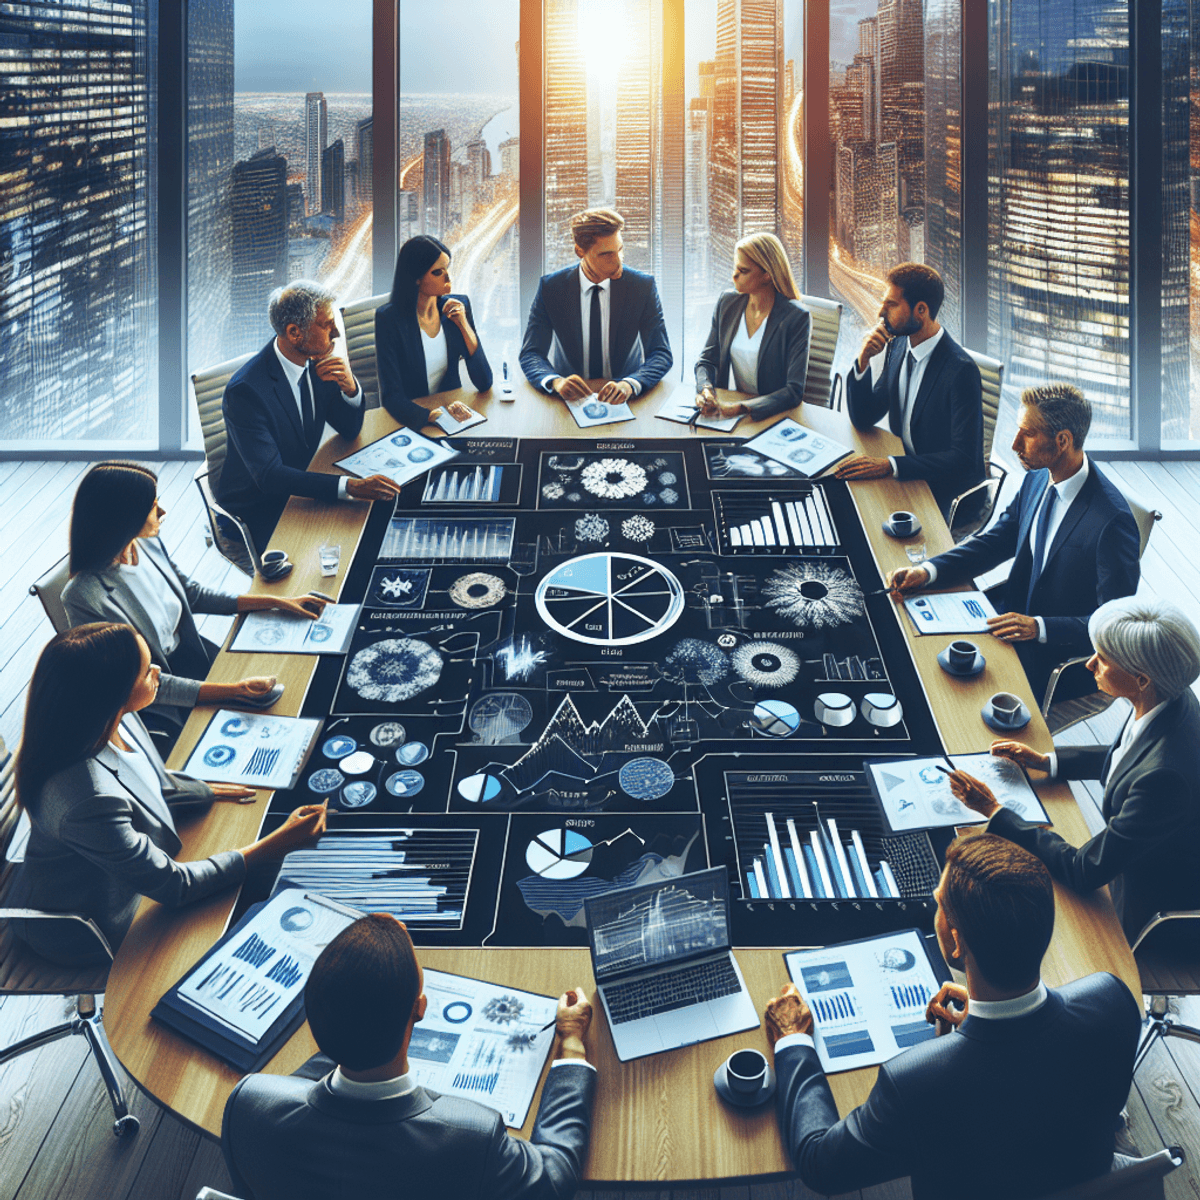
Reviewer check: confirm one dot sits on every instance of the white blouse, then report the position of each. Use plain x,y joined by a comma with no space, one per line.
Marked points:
743,356
158,598
437,357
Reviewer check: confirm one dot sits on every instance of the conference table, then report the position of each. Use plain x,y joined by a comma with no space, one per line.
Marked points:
657,1119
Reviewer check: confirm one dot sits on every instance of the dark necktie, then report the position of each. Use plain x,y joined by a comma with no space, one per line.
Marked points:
909,395
595,338
307,415
1039,539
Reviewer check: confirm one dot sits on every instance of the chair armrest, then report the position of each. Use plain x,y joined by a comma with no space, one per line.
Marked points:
836,391
207,1193
216,509
37,914
1055,675
991,486
1161,918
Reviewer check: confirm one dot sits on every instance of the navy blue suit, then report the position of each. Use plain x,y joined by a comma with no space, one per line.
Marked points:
638,347
1093,559
267,453
965,1114
946,429
400,355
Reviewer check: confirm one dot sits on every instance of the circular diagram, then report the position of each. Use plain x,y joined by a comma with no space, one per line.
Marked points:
479,788
294,920
390,733
219,756
646,778
559,854
394,670
776,718
609,599
412,753
235,727
358,763
358,794
339,746
457,1011
477,590
405,783
325,781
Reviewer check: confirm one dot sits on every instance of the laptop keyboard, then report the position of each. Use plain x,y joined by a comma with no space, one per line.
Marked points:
678,989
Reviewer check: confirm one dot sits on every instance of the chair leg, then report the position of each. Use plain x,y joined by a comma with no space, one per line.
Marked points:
1162,1024
125,1122
38,1040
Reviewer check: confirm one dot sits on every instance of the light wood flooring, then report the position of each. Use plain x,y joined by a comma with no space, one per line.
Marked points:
55,1124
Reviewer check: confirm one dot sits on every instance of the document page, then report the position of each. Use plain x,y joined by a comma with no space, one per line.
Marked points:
591,410
399,457
256,749
950,612
681,408
275,632
451,424
867,998
788,442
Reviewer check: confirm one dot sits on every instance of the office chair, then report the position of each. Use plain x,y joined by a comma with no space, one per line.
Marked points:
358,319
228,533
1141,1179
821,386
987,491
48,589
207,1193
22,972
1165,973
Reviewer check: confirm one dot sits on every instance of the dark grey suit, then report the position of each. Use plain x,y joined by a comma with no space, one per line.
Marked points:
288,1139
1149,849
101,839
782,353
966,1114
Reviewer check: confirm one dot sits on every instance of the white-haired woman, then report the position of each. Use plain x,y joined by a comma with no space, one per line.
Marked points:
1147,652
759,338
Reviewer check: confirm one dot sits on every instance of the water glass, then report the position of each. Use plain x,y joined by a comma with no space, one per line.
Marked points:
331,557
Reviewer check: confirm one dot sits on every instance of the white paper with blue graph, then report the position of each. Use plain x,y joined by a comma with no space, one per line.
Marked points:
950,612
867,998
257,749
482,1042
275,632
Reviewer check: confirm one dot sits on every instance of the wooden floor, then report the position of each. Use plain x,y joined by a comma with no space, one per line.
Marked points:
55,1124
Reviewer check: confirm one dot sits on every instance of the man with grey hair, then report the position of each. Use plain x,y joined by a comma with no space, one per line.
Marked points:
276,408
1147,652
1070,533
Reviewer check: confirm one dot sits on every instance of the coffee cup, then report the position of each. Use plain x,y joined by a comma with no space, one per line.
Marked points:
962,655
1006,708
903,523
273,561
746,1072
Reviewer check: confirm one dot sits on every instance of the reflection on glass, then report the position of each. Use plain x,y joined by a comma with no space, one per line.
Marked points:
460,152
1058,184
1181,220
78,267
744,141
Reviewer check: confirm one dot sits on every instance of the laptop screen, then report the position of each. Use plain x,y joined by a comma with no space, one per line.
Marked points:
638,927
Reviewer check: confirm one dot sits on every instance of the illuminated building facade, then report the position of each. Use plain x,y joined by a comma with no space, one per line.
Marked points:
566,129
316,137
259,204
435,183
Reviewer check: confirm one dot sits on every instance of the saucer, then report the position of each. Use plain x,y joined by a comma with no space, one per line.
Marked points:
279,572
887,528
740,1099
974,669
989,719
264,701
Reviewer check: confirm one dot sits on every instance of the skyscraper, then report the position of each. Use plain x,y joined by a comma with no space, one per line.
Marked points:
637,134
435,184
747,110
259,203
943,153
78,266
565,105
316,137
333,180
699,133
365,137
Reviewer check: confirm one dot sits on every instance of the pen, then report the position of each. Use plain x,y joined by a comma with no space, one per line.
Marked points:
695,417
947,770
321,595
549,1024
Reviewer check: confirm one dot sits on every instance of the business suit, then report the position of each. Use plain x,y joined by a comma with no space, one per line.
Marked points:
946,428
100,840
105,595
288,1139
963,1114
638,347
400,355
782,353
1092,559
267,453
1149,847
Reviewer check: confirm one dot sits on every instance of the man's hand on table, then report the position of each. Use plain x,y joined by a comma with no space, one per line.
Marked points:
458,410
863,466
570,387
1021,754
572,1022
907,579
1014,627
374,487
787,1014
615,391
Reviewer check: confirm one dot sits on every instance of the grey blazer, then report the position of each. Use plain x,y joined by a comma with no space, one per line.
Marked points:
782,354
100,840
289,1139
104,596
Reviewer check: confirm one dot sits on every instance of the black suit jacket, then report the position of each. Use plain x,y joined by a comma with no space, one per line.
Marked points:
267,453
288,1139
1149,849
400,356
782,353
638,346
967,1114
947,419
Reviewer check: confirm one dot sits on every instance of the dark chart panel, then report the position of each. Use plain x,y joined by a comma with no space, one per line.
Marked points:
585,665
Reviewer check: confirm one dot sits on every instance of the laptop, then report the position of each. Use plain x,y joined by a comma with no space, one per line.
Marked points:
663,965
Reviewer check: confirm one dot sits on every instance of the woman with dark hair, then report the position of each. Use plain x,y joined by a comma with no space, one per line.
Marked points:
100,801
422,333
120,571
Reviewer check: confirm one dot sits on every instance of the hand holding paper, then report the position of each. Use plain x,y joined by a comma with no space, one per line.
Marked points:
976,795
1021,754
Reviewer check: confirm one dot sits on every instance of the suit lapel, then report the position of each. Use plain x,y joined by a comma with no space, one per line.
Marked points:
774,320
933,368
133,783
1072,516
731,318
570,331
285,396
1037,490
1143,744
124,599
618,324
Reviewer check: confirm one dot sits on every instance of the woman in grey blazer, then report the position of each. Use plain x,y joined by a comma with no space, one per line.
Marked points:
759,338
121,571
101,803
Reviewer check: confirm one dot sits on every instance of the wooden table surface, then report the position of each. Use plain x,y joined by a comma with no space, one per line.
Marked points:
657,1119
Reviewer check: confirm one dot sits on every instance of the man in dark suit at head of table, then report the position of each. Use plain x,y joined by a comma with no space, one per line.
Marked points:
1022,1093
928,388
368,1129
599,320
276,407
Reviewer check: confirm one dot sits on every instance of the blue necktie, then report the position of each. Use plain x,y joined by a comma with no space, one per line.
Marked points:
1039,540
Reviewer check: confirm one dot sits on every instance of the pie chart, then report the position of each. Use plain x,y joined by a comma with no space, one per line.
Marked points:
609,599
559,854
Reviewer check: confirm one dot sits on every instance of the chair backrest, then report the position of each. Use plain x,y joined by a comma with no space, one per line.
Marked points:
991,374
49,588
209,388
229,534
1142,1179
10,815
358,319
826,322
1143,515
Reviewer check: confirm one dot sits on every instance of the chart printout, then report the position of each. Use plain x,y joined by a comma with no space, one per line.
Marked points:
252,748
867,998
399,457
289,633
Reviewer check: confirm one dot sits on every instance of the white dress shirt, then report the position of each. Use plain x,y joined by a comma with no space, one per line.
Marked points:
400,1085
437,357
585,313
158,598
294,373
743,357
134,759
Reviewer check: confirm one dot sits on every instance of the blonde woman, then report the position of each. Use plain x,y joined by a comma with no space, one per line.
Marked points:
759,338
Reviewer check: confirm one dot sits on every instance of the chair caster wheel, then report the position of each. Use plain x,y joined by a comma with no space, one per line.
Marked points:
126,1126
